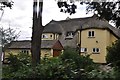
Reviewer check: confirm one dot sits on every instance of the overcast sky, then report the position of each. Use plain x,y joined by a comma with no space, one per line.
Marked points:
20,16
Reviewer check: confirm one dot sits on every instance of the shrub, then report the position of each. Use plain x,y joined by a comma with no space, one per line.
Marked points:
81,62
113,55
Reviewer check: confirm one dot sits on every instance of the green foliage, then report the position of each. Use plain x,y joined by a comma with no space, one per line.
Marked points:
113,55
16,62
82,62
69,65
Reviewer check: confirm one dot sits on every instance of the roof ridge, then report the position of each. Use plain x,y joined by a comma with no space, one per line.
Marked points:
21,40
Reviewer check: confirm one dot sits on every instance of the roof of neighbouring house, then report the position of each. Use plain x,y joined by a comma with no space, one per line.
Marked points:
26,44
75,24
55,28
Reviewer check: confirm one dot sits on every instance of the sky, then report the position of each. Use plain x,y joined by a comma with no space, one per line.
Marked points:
20,16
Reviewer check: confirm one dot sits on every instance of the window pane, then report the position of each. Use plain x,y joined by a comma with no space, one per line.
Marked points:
82,49
24,51
85,49
93,49
89,33
43,36
92,33
97,50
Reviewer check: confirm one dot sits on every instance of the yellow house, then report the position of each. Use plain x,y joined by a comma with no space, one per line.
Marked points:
90,34
51,48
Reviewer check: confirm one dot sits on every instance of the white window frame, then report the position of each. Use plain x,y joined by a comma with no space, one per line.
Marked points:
91,33
44,36
96,50
83,49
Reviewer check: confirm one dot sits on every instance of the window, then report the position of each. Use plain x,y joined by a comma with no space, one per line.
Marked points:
25,51
44,36
96,50
83,49
50,35
91,34
69,35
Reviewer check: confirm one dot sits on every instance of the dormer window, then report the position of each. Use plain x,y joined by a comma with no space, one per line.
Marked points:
44,36
69,35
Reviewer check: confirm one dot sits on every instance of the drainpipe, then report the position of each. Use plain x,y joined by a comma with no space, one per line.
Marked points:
80,41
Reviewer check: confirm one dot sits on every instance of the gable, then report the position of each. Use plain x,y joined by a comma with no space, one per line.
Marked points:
57,45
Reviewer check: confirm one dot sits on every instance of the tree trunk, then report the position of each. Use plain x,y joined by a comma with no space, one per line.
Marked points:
37,30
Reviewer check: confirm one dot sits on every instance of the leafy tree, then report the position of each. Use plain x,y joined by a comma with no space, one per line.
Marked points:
113,55
107,10
68,8
5,3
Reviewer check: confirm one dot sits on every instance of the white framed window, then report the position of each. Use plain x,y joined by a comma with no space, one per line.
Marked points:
25,51
96,50
83,49
44,36
91,34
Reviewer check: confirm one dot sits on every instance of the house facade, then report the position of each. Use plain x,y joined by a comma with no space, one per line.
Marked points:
90,34
51,48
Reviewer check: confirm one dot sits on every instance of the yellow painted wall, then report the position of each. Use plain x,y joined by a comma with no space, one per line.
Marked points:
47,52
14,51
54,36
102,39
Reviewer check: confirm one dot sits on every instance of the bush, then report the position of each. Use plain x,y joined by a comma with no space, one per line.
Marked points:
113,55
69,65
16,62
81,62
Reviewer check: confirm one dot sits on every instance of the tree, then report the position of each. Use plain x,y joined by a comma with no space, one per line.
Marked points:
107,10
37,31
4,4
7,35
113,55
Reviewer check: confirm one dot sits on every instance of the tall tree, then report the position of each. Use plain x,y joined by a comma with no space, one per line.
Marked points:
37,30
